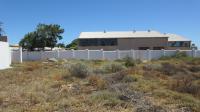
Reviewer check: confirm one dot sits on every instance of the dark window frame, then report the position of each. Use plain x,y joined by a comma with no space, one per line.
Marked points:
158,48
179,44
98,42
144,48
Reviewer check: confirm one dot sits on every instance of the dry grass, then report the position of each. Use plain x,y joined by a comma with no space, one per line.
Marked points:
97,81
37,86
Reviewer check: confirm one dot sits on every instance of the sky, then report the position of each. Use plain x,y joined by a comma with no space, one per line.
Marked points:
167,16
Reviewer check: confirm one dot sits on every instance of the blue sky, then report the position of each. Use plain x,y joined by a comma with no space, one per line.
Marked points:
168,16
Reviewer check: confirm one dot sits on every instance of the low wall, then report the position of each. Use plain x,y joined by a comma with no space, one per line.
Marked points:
19,56
5,55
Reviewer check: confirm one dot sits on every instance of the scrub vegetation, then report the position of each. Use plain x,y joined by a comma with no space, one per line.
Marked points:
167,84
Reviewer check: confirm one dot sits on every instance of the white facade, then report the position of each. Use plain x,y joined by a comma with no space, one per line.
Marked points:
5,55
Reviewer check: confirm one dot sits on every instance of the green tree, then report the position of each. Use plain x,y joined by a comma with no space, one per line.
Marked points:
1,29
73,44
49,34
61,45
30,41
43,36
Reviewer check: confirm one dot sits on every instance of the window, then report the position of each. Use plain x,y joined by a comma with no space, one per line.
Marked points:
97,42
178,44
143,48
158,48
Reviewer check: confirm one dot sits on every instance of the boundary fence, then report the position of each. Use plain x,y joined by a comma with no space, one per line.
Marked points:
19,55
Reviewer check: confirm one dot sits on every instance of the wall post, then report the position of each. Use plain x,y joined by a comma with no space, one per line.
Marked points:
73,54
102,52
58,54
193,53
163,52
20,55
118,54
41,53
132,53
149,54
88,54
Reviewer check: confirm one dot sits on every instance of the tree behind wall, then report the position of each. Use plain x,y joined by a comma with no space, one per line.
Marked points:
73,45
43,36
29,41
61,45
1,28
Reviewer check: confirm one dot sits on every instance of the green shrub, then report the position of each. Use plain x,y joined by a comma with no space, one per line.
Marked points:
79,70
97,62
165,57
106,98
99,70
180,54
129,62
113,67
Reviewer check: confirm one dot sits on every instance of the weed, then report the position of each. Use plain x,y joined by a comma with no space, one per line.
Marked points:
119,75
129,78
150,67
106,98
79,70
168,69
129,62
97,81
180,54
31,66
177,55
185,85
99,71
1,101
194,68
113,67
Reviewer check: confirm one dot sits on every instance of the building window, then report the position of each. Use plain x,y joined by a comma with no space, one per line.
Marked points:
178,44
97,42
158,48
143,48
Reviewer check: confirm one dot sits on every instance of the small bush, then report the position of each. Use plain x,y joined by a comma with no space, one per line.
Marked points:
180,54
97,81
194,68
129,78
185,86
99,71
113,67
32,66
106,98
79,70
165,57
168,69
97,62
149,67
129,62
1,101
119,75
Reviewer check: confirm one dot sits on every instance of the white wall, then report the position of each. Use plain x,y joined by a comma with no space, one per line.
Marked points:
5,55
97,54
